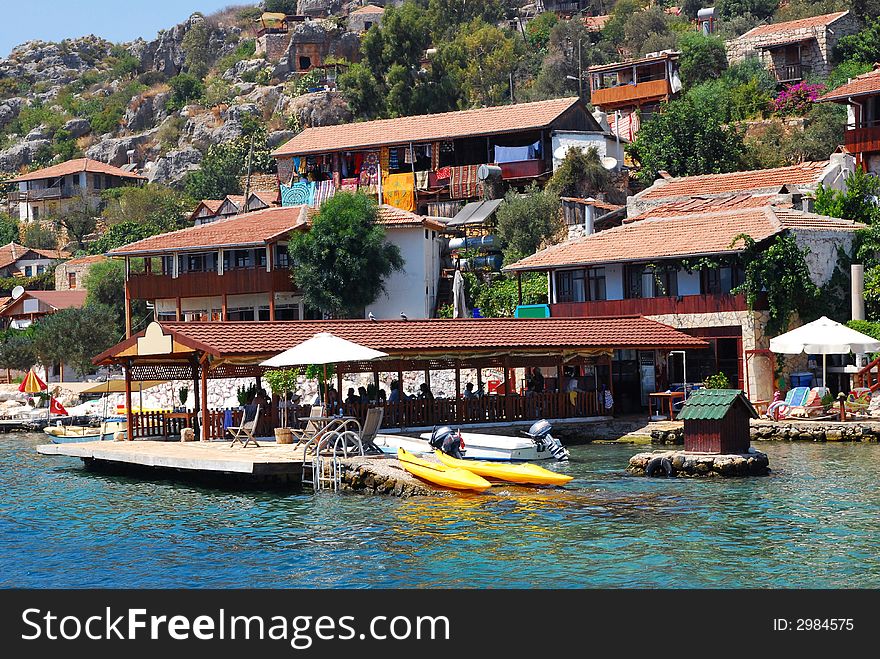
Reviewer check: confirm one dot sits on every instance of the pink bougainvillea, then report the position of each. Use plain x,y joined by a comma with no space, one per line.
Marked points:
797,98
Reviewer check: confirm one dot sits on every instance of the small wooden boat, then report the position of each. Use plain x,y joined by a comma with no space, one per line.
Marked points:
512,473
74,434
440,474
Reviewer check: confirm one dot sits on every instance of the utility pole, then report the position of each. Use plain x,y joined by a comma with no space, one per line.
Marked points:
247,182
512,99
580,74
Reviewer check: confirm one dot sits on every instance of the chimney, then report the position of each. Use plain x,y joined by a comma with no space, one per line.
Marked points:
130,154
589,218
857,275
664,174
808,204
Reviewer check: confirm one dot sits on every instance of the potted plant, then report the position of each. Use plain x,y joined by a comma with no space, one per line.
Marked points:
282,381
245,394
183,394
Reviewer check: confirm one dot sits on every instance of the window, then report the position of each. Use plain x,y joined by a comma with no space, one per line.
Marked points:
282,259
98,179
585,285
168,265
719,281
261,258
243,258
643,281
108,181
195,262
166,316
287,312
240,313
28,271
263,313
35,213
305,63
71,280
41,269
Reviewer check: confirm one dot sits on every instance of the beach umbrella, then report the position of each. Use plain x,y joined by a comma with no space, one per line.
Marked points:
31,384
323,348
823,337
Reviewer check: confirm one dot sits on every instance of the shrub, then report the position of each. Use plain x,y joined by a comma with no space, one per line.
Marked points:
797,99
717,381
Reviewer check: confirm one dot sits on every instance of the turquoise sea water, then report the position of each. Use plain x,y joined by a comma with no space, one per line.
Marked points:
814,523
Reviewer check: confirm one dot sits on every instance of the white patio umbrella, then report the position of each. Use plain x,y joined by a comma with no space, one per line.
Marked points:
323,348
823,337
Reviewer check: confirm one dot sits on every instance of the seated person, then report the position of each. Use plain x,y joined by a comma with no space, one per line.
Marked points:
350,397
395,392
363,396
469,390
537,381
425,392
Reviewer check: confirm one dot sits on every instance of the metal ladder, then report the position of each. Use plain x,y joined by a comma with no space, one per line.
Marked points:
325,473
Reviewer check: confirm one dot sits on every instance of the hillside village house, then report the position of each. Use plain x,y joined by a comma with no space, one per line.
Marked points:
71,275
630,92
51,190
429,164
674,265
862,136
793,50
20,261
362,19
20,312
211,210
238,268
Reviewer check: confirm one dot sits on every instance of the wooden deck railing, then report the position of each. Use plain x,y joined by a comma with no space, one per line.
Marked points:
869,376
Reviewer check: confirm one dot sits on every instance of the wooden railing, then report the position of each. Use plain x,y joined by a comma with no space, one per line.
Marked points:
869,376
631,94
198,284
862,139
653,306
789,72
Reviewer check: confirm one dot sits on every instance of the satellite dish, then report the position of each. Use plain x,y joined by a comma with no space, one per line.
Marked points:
17,292
560,152
608,162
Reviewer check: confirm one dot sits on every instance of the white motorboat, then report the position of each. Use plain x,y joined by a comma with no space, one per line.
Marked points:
537,445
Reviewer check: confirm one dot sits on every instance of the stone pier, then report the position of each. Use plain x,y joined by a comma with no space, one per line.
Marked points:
686,464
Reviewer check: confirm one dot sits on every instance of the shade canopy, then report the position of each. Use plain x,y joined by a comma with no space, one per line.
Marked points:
111,386
824,337
323,348
31,384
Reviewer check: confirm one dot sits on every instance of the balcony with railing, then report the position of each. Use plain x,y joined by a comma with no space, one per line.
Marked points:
201,284
46,194
631,94
863,137
789,72
652,306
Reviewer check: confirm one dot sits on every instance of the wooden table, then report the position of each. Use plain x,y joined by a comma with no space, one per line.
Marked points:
670,396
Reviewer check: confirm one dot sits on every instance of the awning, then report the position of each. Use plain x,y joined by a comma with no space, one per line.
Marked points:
476,212
781,44
112,386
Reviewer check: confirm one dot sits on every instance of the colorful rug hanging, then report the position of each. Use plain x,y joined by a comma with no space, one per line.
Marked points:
369,178
422,180
463,182
398,190
298,194
285,170
444,172
323,192
348,185
384,157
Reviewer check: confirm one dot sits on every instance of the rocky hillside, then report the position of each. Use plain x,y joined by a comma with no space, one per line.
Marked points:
162,103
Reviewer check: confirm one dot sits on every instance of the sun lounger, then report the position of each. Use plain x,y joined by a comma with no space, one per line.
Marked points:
795,398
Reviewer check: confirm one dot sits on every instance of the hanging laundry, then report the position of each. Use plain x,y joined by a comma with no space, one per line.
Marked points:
323,191
348,185
369,178
435,156
422,179
393,159
301,193
286,169
444,172
398,190
384,156
513,153
408,155
463,182
358,162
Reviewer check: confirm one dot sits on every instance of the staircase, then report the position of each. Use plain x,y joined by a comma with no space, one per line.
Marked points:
444,290
869,376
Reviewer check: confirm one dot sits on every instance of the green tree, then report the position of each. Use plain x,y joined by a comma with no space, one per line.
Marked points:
17,351
559,68
38,235
649,30
224,164
121,234
105,286
538,31
702,58
78,220
857,203
184,88
614,30
342,262
731,8
685,140
864,46
497,296
281,6
8,229
580,174
526,222
74,336
779,271
445,16
153,203
197,50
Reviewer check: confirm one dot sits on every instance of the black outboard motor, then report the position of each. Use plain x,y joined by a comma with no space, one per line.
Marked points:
447,440
540,434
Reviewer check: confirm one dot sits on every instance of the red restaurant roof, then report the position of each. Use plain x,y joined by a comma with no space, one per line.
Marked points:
55,299
809,172
427,127
75,166
420,337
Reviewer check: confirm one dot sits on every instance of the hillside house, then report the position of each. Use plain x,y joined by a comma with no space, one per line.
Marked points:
630,92
793,50
677,265
20,261
51,190
361,20
429,164
30,306
861,95
71,275
238,269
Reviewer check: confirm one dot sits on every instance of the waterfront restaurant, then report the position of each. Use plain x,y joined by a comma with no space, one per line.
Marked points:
198,352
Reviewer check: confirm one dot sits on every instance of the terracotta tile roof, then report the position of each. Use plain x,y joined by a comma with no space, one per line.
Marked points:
699,204
428,127
368,9
95,258
256,228
12,252
805,173
55,299
391,216
268,197
867,83
74,166
435,336
212,205
692,234
800,24
604,205
596,23
661,57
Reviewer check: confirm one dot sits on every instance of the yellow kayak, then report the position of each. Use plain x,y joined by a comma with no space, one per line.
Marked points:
440,474
503,471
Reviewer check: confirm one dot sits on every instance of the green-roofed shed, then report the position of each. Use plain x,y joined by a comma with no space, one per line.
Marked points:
717,421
